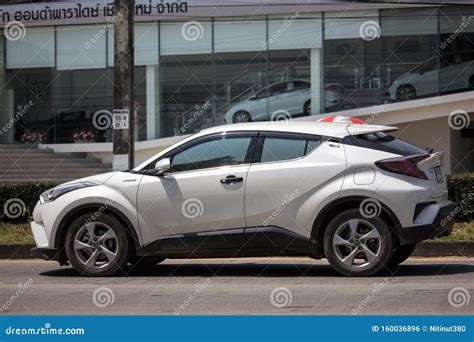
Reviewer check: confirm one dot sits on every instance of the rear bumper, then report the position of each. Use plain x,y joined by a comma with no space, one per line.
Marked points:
442,225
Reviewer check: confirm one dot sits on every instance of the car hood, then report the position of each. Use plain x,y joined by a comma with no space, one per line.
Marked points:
97,179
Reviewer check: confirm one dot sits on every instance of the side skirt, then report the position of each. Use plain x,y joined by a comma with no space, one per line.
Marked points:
230,243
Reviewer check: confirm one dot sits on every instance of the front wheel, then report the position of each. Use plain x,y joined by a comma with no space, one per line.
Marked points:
98,248
358,246
406,93
241,116
307,108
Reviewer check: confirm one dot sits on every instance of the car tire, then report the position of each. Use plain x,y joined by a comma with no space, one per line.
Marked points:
406,93
401,254
307,108
241,116
98,248
356,245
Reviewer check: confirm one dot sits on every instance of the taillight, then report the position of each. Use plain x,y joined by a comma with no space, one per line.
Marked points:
404,165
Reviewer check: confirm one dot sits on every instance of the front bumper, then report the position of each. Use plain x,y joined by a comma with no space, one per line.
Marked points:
442,225
45,253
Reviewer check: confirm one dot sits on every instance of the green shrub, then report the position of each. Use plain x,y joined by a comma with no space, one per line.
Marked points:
461,192
460,187
17,201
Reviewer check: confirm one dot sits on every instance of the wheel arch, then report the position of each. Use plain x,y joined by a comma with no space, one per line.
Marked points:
337,206
71,215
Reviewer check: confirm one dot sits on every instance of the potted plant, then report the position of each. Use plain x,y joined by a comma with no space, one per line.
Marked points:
34,137
84,136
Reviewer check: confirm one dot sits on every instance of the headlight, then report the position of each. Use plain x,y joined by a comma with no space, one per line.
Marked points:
52,194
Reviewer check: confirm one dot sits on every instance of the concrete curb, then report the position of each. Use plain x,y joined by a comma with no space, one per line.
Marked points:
424,249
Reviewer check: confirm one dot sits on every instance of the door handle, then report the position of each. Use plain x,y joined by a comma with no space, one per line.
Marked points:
232,179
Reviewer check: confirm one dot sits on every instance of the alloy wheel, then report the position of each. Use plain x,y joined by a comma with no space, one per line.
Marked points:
357,243
96,245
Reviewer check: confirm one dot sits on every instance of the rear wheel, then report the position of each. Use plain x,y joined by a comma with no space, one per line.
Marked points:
99,248
401,254
406,93
358,246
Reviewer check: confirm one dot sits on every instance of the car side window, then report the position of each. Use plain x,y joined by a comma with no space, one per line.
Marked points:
276,149
287,148
209,154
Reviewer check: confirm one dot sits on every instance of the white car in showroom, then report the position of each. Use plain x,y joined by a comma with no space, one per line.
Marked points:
282,100
350,193
453,72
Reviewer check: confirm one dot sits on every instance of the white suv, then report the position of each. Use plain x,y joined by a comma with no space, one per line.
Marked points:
350,193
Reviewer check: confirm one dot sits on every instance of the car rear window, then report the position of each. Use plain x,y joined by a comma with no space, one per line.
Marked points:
384,142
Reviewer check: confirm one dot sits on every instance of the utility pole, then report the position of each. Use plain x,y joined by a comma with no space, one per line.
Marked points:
123,116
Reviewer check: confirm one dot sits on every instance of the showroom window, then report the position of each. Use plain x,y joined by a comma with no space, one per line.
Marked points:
351,63
409,67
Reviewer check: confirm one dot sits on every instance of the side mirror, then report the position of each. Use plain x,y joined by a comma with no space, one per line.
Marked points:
162,166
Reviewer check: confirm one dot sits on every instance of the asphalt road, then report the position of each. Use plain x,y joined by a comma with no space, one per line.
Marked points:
295,286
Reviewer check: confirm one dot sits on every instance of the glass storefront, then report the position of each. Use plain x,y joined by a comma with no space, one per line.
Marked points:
56,80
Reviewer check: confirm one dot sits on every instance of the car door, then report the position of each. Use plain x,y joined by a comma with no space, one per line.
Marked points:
291,169
203,192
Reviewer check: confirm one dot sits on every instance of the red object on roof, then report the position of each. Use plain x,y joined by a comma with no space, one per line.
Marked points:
343,119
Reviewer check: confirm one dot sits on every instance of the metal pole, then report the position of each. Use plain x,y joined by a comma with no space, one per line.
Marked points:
123,123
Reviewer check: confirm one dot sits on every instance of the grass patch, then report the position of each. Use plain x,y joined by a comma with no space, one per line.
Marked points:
21,233
461,231
15,233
